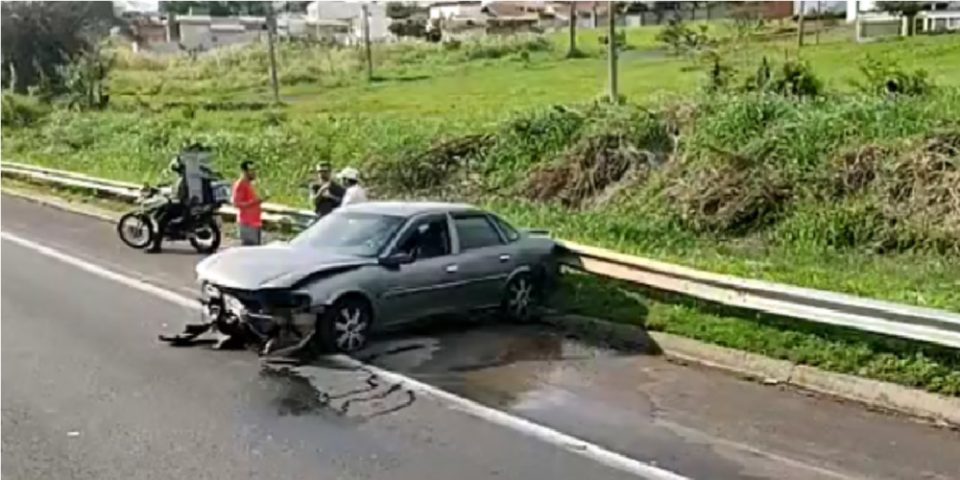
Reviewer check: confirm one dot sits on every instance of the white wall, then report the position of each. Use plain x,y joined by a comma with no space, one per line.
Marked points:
448,11
854,8
352,12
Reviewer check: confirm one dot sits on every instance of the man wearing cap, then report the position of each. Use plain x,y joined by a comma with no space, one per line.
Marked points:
355,193
325,192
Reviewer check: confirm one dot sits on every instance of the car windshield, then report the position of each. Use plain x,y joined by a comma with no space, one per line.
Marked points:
353,233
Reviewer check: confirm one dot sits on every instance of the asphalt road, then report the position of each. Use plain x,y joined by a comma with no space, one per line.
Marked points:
89,393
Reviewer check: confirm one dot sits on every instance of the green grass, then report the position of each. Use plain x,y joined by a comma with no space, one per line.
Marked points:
435,82
857,242
912,278
831,348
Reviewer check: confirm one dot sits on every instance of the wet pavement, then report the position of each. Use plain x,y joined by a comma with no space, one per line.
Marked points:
350,423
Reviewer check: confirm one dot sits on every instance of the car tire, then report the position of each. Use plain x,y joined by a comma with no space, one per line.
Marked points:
345,327
521,299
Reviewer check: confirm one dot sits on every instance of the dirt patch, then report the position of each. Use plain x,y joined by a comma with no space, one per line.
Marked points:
915,186
432,169
729,199
922,192
854,171
588,169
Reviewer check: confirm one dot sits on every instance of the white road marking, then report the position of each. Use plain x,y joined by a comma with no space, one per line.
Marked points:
545,434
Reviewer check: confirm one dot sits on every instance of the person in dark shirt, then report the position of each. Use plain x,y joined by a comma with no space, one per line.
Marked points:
177,209
325,192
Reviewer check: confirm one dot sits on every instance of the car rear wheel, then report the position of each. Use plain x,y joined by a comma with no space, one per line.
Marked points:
345,326
520,299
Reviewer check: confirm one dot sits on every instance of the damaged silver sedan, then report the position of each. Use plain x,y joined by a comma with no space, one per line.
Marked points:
368,267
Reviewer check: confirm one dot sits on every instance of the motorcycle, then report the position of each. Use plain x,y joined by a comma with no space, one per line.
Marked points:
199,223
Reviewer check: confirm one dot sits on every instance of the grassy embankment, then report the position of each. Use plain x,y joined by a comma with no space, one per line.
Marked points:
846,192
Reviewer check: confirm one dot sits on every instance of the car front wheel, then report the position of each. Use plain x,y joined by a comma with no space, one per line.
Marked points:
345,326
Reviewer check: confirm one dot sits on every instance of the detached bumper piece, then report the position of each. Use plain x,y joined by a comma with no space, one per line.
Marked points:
279,321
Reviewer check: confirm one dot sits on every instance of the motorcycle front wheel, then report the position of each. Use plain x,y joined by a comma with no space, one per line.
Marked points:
205,237
136,230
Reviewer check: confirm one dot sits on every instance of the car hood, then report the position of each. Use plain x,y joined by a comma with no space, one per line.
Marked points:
273,266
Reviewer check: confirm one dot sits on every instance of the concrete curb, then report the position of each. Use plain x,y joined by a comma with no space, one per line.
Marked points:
873,393
64,205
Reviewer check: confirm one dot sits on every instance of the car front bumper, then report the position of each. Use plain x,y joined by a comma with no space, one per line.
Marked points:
254,312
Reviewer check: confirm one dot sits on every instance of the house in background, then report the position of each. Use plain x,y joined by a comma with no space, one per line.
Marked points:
342,22
204,32
455,10
939,21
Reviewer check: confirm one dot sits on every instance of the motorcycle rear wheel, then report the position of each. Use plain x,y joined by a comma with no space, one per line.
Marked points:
136,230
205,237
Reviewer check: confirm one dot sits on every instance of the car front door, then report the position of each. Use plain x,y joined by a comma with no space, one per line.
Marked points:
484,258
427,285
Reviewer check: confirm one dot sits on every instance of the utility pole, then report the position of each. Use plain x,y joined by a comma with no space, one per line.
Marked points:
366,40
819,21
271,32
612,52
572,52
800,24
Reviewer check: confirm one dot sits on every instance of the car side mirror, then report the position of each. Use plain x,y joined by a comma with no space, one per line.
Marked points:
396,259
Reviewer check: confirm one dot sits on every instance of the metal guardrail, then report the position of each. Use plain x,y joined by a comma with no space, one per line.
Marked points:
904,321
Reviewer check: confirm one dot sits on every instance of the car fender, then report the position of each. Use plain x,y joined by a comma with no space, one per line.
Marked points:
522,269
338,294
541,274
326,290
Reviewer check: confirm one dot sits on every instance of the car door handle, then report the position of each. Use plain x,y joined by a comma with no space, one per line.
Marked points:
452,268
505,257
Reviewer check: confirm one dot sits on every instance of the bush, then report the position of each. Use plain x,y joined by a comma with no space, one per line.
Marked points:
887,78
792,78
681,38
21,110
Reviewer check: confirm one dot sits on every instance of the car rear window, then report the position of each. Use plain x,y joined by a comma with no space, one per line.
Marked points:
476,231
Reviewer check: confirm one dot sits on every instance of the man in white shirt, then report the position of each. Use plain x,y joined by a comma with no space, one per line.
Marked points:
355,193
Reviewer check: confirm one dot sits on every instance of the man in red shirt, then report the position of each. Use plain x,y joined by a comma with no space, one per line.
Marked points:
248,205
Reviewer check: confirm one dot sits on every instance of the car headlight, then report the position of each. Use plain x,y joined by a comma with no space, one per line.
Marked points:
233,305
210,292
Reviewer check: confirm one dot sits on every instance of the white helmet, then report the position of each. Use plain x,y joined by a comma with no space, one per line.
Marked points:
350,173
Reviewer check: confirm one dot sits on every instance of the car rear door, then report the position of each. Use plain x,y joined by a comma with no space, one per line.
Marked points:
484,259
428,285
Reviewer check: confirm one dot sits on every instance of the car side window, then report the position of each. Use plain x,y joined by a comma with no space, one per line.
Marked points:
511,234
476,231
428,239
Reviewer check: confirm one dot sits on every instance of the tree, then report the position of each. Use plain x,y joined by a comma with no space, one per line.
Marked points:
572,50
800,30
217,9
271,51
41,38
365,18
612,53
408,19
908,10
404,10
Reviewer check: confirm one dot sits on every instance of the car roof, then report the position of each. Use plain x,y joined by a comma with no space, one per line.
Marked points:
409,209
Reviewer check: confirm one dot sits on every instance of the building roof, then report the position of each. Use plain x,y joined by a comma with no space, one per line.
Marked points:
453,4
